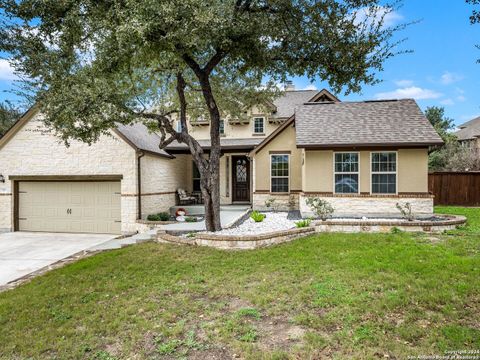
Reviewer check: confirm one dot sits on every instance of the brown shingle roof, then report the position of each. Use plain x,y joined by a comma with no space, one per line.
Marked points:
469,130
140,137
289,100
368,123
225,143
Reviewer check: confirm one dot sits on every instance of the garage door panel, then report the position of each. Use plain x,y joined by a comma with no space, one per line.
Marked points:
91,207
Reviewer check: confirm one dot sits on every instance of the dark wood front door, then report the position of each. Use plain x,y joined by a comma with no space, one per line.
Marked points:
240,178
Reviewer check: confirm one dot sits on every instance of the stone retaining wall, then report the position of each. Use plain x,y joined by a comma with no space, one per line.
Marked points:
283,202
386,226
229,242
370,205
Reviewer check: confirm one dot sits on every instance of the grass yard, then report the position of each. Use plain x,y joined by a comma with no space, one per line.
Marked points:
326,296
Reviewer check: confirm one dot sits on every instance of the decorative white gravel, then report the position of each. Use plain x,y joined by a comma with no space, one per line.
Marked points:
272,222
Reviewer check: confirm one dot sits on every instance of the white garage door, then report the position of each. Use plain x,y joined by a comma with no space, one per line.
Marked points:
75,206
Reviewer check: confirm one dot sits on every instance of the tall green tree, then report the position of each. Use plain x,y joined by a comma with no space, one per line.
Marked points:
8,115
95,63
442,124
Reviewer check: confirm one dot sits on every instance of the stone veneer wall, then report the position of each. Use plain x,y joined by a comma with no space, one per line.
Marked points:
229,242
34,150
285,202
370,205
160,180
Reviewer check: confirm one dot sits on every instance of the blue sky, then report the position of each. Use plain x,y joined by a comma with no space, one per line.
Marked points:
442,69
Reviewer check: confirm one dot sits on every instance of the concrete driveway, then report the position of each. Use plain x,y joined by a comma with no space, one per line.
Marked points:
22,253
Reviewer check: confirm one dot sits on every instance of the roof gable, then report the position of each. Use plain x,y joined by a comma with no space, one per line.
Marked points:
367,123
137,135
469,130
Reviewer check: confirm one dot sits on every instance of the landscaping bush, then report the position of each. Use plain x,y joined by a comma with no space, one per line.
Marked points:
257,216
406,211
322,208
163,216
303,223
190,219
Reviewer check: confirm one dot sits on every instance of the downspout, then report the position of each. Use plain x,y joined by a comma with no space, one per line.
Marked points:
140,154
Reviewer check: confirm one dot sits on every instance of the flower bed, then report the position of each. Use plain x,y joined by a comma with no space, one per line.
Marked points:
437,223
237,242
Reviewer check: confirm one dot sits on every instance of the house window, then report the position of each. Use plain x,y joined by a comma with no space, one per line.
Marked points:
346,173
279,170
222,127
259,125
196,178
179,126
384,173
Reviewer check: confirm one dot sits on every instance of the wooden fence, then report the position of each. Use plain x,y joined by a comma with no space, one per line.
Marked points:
455,188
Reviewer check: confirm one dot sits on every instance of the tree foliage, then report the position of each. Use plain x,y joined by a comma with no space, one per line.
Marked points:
8,115
455,156
95,63
442,124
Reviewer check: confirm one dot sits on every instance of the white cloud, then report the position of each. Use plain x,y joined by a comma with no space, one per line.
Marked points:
414,92
6,71
450,78
404,83
447,101
374,15
310,87
461,98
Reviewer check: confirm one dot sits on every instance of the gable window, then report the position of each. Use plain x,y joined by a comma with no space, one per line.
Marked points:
179,126
195,178
222,127
384,172
259,125
346,171
279,173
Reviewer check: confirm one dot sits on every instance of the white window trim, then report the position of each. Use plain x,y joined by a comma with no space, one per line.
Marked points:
339,173
253,125
384,172
270,173
219,127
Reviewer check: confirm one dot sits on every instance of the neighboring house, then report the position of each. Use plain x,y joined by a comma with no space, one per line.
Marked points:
363,157
470,132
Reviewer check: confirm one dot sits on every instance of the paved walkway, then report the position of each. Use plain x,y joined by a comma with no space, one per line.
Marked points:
22,253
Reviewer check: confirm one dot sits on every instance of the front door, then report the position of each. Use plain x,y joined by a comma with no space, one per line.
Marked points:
240,178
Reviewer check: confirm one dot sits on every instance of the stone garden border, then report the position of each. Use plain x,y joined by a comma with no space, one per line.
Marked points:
382,226
232,242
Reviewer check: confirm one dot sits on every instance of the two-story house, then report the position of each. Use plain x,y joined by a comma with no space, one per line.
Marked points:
362,157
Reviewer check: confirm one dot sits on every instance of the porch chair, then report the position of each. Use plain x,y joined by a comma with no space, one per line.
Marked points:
184,198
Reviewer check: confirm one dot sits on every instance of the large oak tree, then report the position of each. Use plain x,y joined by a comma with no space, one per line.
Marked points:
92,64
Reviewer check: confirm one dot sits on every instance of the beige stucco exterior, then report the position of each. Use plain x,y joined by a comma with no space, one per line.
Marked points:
284,142
312,174
235,130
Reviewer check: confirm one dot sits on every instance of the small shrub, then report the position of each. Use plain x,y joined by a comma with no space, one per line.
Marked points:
322,208
191,235
190,219
257,216
163,216
406,211
396,230
271,203
303,223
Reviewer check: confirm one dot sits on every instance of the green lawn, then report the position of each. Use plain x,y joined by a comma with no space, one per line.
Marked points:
325,296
